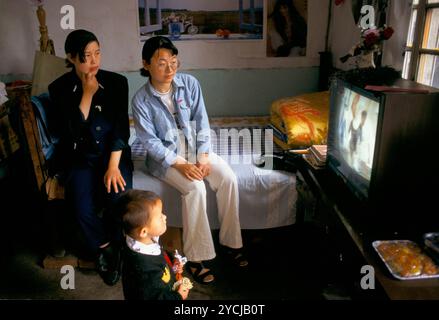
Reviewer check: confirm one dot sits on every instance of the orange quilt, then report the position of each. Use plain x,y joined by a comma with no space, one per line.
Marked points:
302,119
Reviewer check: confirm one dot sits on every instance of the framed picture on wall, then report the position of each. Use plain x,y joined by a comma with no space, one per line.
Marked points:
202,19
287,28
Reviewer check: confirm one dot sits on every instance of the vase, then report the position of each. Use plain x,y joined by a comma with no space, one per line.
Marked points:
366,60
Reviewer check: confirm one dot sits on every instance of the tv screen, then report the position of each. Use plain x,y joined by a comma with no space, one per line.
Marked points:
352,135
379,144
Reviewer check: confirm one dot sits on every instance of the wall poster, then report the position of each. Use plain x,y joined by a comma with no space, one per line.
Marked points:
202,19
287,28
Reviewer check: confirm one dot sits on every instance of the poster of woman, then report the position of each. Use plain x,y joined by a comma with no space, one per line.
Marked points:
287,28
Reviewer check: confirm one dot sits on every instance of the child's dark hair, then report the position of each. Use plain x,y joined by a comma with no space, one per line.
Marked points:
75,44
135,207
151,46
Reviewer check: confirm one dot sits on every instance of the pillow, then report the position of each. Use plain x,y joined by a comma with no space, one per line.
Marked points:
47,68
303,119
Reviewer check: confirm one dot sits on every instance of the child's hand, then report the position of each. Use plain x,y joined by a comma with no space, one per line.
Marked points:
183,291
182,287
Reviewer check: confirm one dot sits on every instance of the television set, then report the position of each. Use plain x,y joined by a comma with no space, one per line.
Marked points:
381,145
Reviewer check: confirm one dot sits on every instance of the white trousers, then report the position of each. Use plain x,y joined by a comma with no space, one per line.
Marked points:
197,237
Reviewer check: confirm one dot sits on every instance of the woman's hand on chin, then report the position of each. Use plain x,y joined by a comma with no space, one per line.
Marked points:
90,84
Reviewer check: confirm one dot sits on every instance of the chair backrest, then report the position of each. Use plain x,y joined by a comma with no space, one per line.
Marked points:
20,96
33,113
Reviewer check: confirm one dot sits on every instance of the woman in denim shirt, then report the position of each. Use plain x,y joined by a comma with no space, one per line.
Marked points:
170,119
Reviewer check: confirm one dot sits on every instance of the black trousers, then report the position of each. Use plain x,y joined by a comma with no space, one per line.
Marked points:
87,197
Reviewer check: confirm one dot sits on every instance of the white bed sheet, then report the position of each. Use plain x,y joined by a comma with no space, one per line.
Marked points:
267,199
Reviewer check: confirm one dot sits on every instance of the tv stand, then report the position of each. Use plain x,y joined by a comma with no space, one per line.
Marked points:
350,235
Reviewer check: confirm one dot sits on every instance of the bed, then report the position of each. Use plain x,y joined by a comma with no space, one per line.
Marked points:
267,197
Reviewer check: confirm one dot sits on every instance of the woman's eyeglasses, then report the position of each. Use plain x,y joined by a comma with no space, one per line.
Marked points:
173,65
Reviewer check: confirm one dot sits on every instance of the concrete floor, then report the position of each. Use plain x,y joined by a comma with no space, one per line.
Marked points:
268,276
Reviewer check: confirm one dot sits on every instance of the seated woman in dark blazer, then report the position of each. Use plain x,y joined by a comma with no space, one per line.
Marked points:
93,153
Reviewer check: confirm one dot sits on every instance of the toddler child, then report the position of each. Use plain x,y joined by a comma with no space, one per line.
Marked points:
148,273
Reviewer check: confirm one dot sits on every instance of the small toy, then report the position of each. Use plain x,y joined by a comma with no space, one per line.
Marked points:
178,260
181,281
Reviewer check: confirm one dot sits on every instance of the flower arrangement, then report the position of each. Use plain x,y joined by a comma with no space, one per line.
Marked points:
371,42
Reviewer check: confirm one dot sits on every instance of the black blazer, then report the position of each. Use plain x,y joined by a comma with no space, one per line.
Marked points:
105,130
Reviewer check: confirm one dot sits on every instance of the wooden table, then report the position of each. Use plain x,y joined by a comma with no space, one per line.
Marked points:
342,211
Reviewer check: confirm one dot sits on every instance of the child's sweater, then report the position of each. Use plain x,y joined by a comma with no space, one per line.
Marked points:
147,277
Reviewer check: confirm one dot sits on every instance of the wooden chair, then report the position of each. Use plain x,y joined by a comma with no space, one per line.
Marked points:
47,67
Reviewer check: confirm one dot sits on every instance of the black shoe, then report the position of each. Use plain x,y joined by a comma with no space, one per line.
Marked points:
108,264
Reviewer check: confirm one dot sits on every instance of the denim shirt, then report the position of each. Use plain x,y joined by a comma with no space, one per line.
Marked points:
157,129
